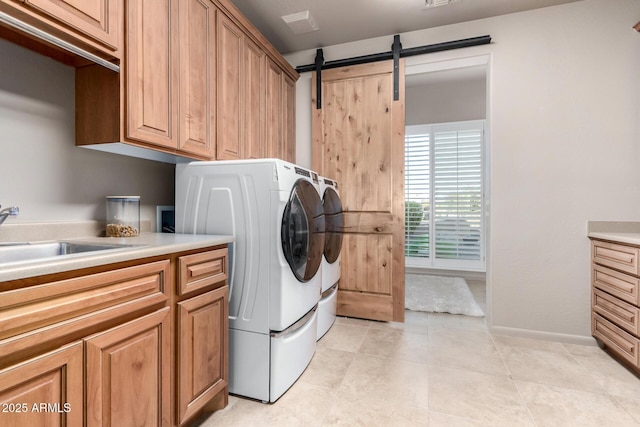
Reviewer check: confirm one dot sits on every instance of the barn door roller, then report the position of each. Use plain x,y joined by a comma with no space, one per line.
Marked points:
396,53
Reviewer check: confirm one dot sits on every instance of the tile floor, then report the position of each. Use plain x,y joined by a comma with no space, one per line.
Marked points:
445,370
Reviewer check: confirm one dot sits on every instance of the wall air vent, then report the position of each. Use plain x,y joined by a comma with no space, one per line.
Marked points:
435,3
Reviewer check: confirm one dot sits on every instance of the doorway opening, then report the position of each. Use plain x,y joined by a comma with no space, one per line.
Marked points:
446,179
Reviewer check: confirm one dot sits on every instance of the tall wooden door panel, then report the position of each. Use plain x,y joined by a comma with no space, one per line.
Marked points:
203,345
289,118
230,65
358,140
128,373
274,111
197,77
152,102
253,101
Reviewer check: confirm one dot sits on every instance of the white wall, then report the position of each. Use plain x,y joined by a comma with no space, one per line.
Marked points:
564,117
41,169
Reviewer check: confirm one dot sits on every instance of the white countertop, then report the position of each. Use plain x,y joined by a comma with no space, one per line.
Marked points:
143,246
629,238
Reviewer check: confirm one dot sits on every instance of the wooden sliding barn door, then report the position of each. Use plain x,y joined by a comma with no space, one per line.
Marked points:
358,140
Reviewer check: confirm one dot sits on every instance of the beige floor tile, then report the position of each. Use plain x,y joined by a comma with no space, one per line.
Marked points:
504,343
439,419
416,322
345,337
545,367
585,350
341,320
302,405
614,378
632,406
327,368
349,411
241,413
456,321
376,379
488,399
396,345
305,403
465,349
556,406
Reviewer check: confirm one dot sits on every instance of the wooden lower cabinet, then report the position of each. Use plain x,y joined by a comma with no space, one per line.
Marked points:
615,300
128,373
141,343
44,391
202,365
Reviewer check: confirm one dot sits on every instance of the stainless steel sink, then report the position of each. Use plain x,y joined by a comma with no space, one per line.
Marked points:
17,252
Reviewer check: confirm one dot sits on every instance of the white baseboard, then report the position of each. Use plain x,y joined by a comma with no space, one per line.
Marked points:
541,335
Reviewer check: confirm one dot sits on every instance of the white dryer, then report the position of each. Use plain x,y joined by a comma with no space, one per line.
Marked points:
332,207
273,210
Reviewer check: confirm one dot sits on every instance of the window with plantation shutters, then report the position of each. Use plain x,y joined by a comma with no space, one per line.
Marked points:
444,217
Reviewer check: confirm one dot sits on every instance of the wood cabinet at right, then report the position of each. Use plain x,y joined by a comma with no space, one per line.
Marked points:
615,300
280,120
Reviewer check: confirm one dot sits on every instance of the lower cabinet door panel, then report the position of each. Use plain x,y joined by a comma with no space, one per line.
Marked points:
202,354
44,391
128,373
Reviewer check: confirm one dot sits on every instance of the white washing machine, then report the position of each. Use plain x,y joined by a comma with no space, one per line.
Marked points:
273,210
332,207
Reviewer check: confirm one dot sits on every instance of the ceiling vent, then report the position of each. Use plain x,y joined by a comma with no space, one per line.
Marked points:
435,3
301,22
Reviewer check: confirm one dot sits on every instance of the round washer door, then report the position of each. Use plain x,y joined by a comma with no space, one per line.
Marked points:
334,224
303,230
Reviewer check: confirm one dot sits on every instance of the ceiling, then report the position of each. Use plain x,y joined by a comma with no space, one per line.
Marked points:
343,21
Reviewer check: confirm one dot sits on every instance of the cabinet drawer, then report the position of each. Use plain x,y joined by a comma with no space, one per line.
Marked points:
616,340
201,270
620,257
621,285
37,306
619,312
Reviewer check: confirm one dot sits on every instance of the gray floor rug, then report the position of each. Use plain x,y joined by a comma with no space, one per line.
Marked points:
439,294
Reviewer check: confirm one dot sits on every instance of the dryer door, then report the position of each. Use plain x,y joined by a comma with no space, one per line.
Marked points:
334,224
303,230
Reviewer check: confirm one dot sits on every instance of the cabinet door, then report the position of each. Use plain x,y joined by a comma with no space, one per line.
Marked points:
202,353
274,111
289,118
230,64
253,101
128,373
44,391
197,77
151,72
95,19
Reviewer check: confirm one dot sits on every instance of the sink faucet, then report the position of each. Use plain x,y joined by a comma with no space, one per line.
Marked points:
4,213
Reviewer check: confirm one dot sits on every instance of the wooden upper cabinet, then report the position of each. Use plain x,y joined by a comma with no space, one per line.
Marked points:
197,47
97,20
253,101
289,118
197,80
280,114
151,73
274,111
230,67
